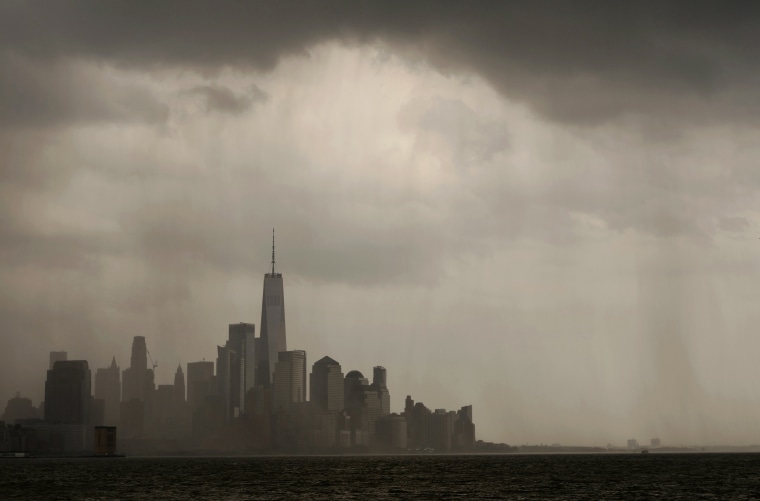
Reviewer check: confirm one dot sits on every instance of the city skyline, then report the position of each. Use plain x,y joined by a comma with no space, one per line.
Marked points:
234,405
548,208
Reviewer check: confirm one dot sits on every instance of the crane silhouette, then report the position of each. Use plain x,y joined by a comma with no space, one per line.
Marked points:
155,364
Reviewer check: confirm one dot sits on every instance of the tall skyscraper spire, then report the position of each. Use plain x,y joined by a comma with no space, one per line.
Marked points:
272,340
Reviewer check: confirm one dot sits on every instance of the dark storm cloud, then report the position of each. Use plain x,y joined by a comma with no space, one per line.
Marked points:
37,94
572,61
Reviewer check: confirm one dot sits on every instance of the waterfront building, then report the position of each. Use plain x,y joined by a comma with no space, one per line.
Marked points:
390,432
464,429
441,429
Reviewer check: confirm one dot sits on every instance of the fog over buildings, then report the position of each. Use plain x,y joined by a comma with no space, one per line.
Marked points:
546,210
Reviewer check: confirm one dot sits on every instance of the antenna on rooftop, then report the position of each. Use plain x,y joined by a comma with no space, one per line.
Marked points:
272,251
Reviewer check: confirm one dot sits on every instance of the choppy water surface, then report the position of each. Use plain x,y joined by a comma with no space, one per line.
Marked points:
606,476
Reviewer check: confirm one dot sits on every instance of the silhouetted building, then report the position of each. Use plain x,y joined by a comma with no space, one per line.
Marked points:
289,379
242,341
655,442
364,403
57,356
132,418
200,383
441,429
464,429
390,432
225,361
67,393
323,433
163,411
353,389
97,411
181,413
258,415
108,389
137,380
417,419
179,387
208,417
273,339
137,383
379,378
326,385
18,407
236,368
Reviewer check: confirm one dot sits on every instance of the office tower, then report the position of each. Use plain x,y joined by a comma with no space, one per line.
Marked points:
379,378
179,386
137,381
132,418
137,385
57,356
200,383
67,393
363,401
326,385
272,324
464,429
108,389
379,375
97,411
289,379
418,423
225,359
441,429
163,412
242,373
353,389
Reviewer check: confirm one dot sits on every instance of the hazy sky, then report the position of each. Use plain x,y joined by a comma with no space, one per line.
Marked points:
548,210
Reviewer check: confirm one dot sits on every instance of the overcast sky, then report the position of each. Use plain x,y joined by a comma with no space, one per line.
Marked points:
547,210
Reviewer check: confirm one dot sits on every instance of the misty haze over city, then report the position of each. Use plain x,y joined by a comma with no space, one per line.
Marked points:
548,212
